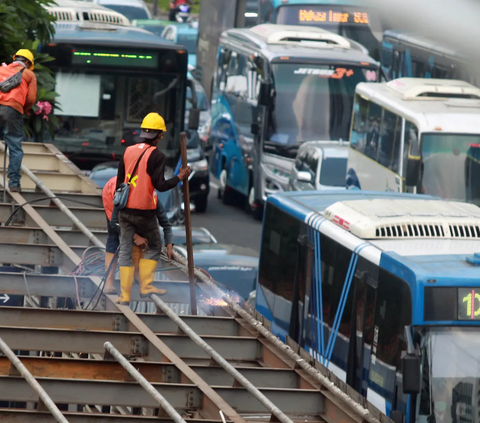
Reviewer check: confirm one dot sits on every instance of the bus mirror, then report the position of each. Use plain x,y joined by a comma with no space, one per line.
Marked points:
265,95
303,176
411,374
413,171
194,119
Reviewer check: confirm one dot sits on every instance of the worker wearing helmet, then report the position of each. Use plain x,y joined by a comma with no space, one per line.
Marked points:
138,216
13,105
113,238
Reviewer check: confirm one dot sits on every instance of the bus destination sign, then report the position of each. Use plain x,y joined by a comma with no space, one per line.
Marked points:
306,16
109,58
468,304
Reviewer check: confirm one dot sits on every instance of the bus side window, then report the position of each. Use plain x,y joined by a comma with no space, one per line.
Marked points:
411,144
373,131
236,83
359,124
389,155
311,162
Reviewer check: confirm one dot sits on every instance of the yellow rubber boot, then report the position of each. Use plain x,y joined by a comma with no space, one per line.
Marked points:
110,281
137,255
147,273
126,282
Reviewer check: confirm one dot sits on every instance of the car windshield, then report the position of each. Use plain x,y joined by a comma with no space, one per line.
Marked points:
451,376
460,154
355,23
131,12
189,41
312,102
333,172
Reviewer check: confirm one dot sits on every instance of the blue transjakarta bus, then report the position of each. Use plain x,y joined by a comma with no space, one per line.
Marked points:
384,290
349,18
275,87
411,55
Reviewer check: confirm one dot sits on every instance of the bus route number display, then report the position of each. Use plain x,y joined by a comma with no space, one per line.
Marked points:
468,303
109,58
332,16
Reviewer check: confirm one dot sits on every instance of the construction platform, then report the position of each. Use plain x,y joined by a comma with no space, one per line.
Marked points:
71,354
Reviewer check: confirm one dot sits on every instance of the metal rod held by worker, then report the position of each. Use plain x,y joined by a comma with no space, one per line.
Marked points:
5,173
42,395
242,380
144,383
188,226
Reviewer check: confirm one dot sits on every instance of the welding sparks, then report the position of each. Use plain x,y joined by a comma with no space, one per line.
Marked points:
218,302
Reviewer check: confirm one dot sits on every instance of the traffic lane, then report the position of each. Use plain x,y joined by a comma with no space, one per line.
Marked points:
228,224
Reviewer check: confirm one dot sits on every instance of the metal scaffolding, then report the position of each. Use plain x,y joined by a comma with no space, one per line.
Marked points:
108,363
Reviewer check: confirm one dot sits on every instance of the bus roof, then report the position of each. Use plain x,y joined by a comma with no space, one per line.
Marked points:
109,35
295,42
408,97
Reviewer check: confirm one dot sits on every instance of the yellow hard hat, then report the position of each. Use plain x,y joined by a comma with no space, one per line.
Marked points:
152,123
27,54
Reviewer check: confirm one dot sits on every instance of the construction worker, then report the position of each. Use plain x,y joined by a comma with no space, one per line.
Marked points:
13,105
113,238
138,216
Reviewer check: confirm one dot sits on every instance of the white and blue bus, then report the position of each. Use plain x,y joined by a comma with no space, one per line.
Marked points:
384,290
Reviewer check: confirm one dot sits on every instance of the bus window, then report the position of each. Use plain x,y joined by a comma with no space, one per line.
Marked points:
359,124
411,146
312,164
373,131
390,143
220,76
236,83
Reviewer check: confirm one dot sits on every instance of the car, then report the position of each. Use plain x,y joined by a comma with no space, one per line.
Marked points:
205,114
320,165
199,236
233,266
172,200
132,9
186,35
156,26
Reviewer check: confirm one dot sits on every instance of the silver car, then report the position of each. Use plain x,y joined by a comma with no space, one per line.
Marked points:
319,165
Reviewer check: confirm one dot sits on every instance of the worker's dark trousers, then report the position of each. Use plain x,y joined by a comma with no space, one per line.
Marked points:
130,224
113,239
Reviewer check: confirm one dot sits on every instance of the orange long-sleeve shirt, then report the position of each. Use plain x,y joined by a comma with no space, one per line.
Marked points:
31,81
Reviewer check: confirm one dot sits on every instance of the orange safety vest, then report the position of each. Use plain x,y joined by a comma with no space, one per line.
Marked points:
18,94
141,195
107,196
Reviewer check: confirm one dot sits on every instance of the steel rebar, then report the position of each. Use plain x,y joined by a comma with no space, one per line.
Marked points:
43,396
144,383
242,380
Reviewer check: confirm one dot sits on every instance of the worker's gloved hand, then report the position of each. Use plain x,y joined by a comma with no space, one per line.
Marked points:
170,251
184,173
140,241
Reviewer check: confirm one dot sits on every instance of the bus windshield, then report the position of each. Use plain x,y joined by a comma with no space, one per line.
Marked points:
451,376
458,153
352,22
312,102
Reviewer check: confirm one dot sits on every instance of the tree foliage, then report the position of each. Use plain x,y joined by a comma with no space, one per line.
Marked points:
22,20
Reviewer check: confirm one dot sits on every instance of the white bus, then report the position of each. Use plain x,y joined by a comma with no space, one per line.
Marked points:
417,135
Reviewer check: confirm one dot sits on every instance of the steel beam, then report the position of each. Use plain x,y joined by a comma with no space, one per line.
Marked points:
70,199
111,321
64,286
33,416
128,343
69,368
182,397
26,235
90,216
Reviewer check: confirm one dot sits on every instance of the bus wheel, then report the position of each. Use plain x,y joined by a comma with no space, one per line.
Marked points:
253,207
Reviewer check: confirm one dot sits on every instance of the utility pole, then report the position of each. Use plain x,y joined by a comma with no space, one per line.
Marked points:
155,8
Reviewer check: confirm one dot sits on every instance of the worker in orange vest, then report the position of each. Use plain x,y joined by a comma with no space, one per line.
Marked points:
15,101
113,238
143,168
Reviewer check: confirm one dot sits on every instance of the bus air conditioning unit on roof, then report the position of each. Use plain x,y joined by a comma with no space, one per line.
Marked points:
96,15
433,89
406,219
310,36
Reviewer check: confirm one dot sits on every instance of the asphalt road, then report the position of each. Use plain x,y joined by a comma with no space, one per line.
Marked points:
229,224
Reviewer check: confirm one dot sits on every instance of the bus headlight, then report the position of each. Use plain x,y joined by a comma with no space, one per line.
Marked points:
199,166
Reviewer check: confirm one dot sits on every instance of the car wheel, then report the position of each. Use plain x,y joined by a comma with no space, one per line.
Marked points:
201,204
225,192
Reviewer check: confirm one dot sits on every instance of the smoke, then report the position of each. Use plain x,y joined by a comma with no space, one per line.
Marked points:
452,23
